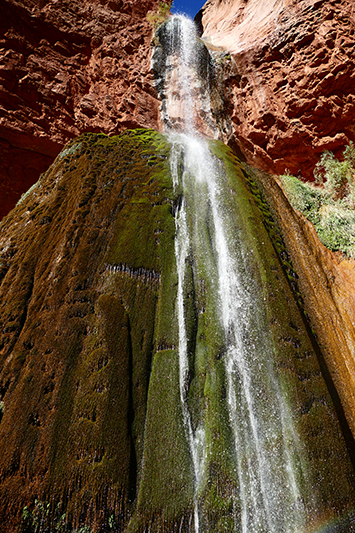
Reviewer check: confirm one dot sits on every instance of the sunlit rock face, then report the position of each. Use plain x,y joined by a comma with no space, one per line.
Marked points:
290,83
65,68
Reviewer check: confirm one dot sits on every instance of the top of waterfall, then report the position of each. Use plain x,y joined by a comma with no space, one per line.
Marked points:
188,7
185,78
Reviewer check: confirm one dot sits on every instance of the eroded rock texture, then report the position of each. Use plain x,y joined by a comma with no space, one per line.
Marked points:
290,81
66,68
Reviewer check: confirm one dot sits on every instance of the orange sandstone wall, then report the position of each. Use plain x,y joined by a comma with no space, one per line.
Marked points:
67,67
289,86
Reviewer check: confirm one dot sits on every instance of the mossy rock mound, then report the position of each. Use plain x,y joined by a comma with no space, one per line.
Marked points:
83,257
91,426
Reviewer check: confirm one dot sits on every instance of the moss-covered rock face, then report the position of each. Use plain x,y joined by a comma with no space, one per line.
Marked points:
91,422
84,258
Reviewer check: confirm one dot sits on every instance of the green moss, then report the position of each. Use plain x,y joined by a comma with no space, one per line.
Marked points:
97,324
302,382
167,484
158,17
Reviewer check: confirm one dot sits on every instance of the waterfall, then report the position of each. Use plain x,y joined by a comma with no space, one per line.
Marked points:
267,449
185,81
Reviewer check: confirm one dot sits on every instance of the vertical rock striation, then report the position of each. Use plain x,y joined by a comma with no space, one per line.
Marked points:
82,258
92,429
326,280
290,97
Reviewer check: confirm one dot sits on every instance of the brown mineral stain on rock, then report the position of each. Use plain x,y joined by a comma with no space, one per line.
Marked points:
67,68
290,82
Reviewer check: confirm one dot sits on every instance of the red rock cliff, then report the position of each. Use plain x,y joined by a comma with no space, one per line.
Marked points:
65,68
290,85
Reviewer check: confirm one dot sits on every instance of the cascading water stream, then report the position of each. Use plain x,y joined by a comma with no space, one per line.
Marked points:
267,451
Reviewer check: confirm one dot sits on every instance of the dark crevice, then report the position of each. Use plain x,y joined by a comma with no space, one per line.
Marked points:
23,317
198,22
192,331
209,226
344,426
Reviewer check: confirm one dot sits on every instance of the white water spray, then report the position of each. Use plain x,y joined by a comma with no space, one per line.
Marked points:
266,447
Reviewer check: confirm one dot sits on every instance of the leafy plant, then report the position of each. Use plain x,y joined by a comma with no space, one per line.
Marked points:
158,17
329,203
303,196
337,176
42,519
112,522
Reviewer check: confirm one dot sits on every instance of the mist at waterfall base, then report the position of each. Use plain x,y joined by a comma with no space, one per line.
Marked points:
270,481
189,8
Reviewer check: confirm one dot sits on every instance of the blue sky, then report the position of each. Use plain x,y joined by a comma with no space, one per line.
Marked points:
189,7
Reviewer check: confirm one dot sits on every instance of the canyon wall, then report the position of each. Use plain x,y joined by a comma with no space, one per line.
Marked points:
289,83
66,68
82,297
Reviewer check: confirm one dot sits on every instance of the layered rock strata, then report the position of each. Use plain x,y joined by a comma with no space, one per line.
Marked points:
290,78
66,68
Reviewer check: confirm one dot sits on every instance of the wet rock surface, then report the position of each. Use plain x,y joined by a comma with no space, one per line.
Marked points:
290,79
326,280
90,419
187,81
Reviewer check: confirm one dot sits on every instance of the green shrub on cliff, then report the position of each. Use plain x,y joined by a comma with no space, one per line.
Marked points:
329,203
158,17
337,176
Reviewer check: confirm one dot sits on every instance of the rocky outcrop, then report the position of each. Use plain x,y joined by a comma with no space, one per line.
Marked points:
91,423
71,67
68,67
289,84
186,80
